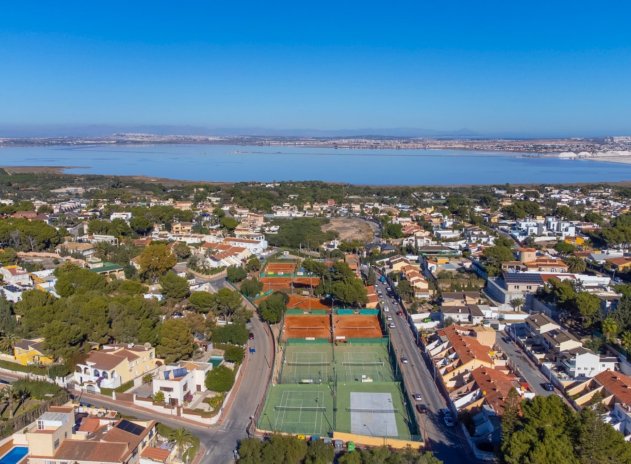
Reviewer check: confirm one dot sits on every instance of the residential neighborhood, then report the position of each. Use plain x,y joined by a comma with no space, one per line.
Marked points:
180,308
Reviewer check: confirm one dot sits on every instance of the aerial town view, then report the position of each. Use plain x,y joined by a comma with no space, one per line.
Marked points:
281,233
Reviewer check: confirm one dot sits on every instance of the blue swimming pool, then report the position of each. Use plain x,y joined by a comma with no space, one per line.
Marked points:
214,360
15,455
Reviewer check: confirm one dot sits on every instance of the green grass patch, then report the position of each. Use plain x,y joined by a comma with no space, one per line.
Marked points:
32,369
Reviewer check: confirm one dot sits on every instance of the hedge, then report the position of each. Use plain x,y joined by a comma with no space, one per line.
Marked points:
120,389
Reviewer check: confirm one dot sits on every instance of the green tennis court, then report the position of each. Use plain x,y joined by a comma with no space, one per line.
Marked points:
363,363
366,419
307,364
299,409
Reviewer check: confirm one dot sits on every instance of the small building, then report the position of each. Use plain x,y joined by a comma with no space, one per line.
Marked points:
15,275
115,365
31,352
178,383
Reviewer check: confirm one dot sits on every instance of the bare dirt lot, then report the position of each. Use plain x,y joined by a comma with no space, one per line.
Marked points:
351,229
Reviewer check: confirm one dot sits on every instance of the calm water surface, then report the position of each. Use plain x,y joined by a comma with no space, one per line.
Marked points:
376,167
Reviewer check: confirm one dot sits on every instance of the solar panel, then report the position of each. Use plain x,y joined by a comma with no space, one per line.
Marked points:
130,427
522,277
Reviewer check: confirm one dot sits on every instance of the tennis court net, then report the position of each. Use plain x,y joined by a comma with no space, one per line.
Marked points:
300,408
362,364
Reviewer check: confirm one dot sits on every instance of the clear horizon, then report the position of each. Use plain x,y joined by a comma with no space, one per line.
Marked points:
493,69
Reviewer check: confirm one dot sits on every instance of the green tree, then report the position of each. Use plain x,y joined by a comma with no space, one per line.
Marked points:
7,320
576,264
158,397
543,435
273,307
510,418
175,341
155,260
8,256
319,452
201,301
564,248
140,225
220,379
236,333
235,274
588,306
186,445
226,303
234,354
516,303
174,286
182,251
610,328
250,451
599,442
72,279
405,290
229,223
251,287
253,264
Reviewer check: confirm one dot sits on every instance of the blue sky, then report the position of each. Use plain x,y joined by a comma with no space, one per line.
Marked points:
494,67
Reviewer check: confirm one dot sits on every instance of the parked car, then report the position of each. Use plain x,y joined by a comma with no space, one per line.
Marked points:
421,408
404,360
417,396
251,336
392,326
548,386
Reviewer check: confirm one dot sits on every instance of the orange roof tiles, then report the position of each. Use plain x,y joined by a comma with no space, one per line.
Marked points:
617,384
91,451
494,385
90,424
467,348
156,454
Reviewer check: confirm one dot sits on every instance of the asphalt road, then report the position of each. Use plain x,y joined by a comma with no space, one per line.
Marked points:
526,368
447,443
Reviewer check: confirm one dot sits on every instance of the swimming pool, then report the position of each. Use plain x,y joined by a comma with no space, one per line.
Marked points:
15,455
214,360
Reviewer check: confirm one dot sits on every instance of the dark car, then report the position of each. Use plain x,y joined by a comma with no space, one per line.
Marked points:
421,408
251,336
548,387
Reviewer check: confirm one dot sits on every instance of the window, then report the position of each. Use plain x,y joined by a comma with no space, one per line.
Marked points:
56,444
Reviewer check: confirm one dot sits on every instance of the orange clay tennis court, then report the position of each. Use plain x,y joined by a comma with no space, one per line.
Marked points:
307,326
281,268
285,283
357,326
306,303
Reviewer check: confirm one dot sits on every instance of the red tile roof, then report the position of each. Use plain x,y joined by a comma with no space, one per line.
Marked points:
617,384
494,386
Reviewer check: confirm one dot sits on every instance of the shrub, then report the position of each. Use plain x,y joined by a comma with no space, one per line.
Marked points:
234,354
220,379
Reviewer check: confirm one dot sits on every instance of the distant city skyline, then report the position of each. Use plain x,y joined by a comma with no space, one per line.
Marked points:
250,68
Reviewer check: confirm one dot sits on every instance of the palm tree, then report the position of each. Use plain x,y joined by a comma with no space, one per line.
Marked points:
610,329
185,443
7,342
516,303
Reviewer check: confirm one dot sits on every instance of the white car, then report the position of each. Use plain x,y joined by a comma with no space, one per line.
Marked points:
386,309
392,326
